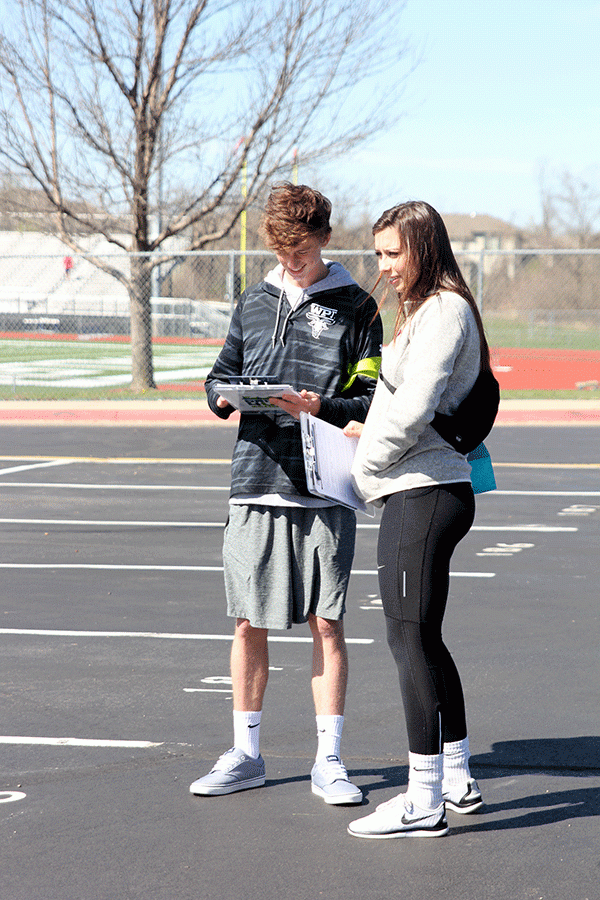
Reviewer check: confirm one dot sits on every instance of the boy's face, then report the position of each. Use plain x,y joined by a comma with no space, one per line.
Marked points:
302,263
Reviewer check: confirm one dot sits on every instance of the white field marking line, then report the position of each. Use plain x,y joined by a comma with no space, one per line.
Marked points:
169,460
452,574
523,465
127,460
115,524
118,523
49,632
544,493
131,568
75,742
111,567
537,528
197,487
112,487
207,691
39,465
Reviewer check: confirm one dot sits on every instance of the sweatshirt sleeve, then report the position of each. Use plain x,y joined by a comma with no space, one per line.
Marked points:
435,338
229,362
359,381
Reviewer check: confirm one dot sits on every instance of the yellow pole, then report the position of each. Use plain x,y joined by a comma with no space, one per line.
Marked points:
295,166
243,229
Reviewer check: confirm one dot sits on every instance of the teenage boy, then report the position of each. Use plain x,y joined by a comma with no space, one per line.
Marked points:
287,554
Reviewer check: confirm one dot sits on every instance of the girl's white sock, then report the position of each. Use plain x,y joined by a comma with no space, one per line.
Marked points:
425,780
456,763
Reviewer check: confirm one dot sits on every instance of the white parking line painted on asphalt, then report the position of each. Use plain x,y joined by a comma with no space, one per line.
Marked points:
112,487
11,796
207,691
134,568
75,742
140,523
51,632
542,465
37,465
452,574
109,567
544,493
542,528
129,460
107,523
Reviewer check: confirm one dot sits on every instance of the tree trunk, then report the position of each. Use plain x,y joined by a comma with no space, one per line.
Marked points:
142,367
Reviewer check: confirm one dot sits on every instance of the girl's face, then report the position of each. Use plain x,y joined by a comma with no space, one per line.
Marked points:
391,257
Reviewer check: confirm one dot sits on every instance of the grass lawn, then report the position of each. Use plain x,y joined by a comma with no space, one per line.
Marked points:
57,369
94,370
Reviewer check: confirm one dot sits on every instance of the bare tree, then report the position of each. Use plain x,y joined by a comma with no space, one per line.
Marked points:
570,209
149,113
571,221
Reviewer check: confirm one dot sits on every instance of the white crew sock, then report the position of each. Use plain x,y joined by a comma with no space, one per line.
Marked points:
425,780
456,763
329,736
246,732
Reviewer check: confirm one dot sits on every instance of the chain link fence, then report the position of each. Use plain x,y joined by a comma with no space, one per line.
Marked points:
105,325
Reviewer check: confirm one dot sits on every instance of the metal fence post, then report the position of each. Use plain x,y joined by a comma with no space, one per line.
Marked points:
480,281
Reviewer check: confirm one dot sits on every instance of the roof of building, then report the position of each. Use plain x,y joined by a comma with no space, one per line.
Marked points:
463,227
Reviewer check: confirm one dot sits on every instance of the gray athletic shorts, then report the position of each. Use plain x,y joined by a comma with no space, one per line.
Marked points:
282,563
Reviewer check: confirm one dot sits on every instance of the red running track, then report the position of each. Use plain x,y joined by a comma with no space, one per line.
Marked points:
547,370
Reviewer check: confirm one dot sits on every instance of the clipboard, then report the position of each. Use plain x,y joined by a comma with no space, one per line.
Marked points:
251,395
328,457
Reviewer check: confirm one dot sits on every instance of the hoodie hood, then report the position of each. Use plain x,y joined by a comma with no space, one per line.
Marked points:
338,277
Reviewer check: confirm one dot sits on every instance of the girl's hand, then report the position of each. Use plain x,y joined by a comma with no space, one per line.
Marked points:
353,429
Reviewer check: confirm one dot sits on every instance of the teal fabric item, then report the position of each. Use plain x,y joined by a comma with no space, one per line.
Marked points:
482,472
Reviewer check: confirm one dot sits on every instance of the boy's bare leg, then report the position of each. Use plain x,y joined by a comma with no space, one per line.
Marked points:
329,778
330,666
249,666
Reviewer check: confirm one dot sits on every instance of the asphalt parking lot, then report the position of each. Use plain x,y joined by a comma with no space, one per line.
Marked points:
115,693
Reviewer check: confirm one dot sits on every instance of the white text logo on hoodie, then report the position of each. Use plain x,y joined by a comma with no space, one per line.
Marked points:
320,318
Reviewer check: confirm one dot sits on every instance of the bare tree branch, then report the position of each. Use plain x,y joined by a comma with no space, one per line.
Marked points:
103,104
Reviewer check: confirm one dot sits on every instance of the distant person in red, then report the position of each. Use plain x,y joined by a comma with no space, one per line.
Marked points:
68,262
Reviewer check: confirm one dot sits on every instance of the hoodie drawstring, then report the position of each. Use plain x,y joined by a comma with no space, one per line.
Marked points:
278,316
277,320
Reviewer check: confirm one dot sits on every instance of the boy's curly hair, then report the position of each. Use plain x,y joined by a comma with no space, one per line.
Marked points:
293,213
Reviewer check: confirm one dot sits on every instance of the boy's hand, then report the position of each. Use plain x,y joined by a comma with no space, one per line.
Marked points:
353,429
222,402
307,402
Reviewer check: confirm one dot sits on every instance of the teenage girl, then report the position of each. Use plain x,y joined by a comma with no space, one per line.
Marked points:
424,485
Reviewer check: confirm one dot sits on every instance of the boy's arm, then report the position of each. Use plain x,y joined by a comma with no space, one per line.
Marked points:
358,384
229,362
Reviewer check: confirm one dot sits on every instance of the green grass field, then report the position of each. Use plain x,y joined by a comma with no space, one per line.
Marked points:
89,370
32,369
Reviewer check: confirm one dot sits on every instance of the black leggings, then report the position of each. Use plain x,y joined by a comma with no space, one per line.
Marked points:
419,531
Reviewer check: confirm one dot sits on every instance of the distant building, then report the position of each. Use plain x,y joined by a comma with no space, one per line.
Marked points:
470,234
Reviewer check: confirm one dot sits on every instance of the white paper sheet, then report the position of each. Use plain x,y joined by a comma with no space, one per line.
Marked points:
328,457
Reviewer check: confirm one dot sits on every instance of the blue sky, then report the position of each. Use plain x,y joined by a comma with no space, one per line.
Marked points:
503,89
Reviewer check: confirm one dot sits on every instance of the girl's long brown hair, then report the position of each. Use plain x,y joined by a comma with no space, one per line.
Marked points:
431,266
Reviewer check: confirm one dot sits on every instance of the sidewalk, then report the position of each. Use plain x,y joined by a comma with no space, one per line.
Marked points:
185,413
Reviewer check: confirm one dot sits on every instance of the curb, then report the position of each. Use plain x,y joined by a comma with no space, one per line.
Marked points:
191,413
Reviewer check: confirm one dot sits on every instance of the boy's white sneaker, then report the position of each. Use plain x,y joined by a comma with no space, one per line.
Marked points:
329,780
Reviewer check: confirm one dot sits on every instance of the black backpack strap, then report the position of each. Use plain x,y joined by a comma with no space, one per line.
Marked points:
387,383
